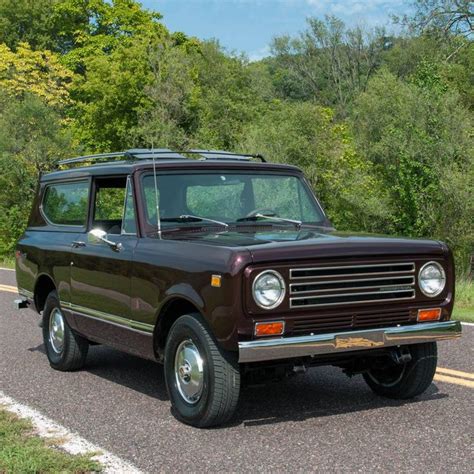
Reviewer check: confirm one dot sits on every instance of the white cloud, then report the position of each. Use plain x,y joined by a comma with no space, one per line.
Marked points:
259,54
371,12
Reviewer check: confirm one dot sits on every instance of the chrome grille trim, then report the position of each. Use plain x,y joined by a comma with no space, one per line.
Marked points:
352,301
293,292
351,284
411,269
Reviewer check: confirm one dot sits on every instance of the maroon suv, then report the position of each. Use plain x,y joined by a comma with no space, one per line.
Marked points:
225,268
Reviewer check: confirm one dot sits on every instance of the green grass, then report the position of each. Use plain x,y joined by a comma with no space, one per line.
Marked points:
7,262
464,301
22,451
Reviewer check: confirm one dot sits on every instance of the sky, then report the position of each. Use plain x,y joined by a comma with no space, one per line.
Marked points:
249,25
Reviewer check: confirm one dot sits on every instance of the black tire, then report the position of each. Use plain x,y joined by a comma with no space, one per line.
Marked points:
220,375
73,353
407,380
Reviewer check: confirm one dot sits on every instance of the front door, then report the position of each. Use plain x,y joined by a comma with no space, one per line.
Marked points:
101,271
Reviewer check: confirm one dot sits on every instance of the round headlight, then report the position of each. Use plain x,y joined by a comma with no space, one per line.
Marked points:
431,279
268,289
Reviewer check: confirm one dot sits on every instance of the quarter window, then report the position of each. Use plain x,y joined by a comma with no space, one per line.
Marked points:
67,203
129,225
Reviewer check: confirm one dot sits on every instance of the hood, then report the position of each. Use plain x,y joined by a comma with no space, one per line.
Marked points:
272,243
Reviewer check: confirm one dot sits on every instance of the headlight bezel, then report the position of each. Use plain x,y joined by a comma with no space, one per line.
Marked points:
443,276
282,286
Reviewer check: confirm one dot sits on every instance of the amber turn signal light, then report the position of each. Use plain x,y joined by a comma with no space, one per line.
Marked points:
432,314
275,328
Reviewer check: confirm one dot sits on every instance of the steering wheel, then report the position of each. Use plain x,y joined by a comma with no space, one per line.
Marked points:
264,210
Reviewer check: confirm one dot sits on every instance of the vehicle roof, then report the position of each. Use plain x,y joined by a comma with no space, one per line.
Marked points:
115,168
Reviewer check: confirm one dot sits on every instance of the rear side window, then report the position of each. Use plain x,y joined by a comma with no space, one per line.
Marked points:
67,203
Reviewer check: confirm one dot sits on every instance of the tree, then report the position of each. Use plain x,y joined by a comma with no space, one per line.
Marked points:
418,136
63,25
443,16
32,139
167,117
37,72
28,21
333,62
227,98
308,136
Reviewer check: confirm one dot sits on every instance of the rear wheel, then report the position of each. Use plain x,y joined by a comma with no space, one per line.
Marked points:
65,349
203,381
405,380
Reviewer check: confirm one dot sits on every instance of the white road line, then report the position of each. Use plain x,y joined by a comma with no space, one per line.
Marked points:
7,269
70,442
467,324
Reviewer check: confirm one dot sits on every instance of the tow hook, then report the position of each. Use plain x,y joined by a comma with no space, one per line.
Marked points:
401,355
20,303
299,369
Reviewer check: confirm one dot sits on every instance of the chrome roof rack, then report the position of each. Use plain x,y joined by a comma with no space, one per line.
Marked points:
161,154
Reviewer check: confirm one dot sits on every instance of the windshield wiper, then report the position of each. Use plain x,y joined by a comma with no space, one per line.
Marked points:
297,223
190,218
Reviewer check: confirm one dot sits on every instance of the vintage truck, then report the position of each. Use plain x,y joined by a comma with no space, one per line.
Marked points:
224,268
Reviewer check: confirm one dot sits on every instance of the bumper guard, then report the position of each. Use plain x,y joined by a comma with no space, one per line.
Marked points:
334,343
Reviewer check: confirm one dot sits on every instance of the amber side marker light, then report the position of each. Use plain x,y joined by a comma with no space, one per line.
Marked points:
432,314
275,328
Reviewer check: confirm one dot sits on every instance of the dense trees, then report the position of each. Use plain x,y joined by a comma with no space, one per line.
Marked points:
382,125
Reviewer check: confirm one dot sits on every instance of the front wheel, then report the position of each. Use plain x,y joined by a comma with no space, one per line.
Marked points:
203,381
405,380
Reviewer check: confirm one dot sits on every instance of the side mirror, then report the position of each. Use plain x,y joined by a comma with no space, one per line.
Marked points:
97,236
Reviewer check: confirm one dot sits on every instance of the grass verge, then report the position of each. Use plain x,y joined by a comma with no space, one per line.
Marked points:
464,301
22,451
7,262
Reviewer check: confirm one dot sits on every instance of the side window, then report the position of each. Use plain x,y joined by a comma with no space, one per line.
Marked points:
113,210
67,203
109,203
129,225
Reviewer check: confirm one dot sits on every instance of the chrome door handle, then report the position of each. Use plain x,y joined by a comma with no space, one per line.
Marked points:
78,243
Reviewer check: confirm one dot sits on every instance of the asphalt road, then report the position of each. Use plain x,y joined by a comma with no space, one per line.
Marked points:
319,421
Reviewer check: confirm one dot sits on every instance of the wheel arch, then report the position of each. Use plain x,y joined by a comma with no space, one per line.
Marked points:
169,312
44,285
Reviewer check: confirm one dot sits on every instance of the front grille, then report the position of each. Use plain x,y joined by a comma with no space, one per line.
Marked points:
362,320
351,284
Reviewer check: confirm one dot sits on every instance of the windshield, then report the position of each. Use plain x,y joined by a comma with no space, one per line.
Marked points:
229,198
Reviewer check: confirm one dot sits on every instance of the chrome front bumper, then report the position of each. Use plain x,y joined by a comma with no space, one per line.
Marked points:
334,343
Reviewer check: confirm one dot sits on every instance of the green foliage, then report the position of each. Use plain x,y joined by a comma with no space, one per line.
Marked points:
198,95
37,72
32,139
464,302
331,62
306,135
28,22
419,138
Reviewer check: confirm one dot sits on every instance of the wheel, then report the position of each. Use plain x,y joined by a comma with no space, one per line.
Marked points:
65,349
203,381
407,380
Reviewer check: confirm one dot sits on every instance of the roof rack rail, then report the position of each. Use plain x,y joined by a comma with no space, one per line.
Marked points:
132,154
225,155
162,153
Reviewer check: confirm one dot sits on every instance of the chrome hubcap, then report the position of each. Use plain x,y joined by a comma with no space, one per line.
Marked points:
56,330
189,371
